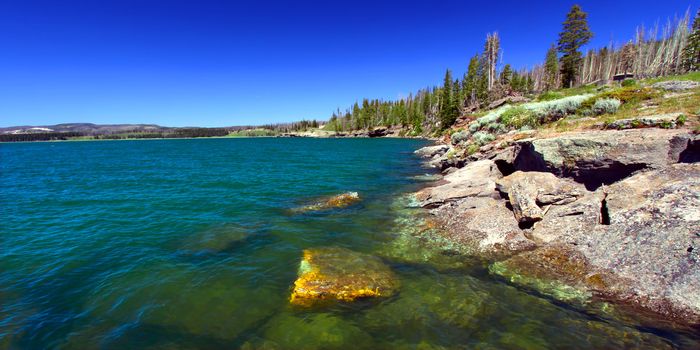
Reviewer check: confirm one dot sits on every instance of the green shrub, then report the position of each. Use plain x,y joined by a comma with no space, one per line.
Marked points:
631,94
628,82
473,148
681,120
519,116
549,111
549,95
460,136
606,106
586,106
667,125
496,128
481,138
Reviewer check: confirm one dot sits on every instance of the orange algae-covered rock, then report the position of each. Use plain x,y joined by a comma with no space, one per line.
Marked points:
337,201
334,273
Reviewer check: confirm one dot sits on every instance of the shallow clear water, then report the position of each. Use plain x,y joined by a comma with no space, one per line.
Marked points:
186,244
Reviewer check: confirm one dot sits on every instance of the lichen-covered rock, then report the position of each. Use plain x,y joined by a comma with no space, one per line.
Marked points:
641,248
595,158
676,85
528,191
338,201
431,151
477,179
653,239
339,274
666,121
482,226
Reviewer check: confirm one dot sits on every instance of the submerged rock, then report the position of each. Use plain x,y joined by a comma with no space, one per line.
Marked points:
338,201
340,274
316,331
217,238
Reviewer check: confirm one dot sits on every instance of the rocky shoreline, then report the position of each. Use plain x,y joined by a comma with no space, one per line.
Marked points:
603,216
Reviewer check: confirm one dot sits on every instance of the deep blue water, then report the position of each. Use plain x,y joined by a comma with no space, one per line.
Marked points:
186,244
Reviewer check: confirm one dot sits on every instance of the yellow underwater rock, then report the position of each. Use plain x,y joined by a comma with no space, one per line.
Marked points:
333,273
338,201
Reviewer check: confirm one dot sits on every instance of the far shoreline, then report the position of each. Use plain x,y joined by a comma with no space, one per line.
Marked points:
228,137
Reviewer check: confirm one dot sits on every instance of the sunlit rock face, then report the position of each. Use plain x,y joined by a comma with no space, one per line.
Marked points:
338,201
339,274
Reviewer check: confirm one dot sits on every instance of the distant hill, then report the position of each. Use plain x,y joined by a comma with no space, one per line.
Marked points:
85,128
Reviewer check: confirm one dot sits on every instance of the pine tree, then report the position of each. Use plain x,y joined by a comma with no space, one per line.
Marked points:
506,75
691,53
470,81
575,33
482,84
551,69
448,107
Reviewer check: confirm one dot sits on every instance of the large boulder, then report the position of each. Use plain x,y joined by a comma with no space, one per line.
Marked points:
477,179
635,241
651,236
529,191
676,85
667,121
431,151
339,274
483,227
595,158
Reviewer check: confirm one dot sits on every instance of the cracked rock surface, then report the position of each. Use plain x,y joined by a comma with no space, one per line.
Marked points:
610,215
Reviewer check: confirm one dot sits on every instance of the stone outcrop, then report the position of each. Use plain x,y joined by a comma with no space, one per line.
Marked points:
339,274
666,121
676,85
528,191
474,180
508,100
431,151
587,216
595,158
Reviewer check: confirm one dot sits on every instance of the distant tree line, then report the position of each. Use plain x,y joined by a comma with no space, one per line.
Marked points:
675,50
45,136
169,133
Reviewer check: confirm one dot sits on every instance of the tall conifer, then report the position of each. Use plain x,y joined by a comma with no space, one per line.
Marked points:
575,33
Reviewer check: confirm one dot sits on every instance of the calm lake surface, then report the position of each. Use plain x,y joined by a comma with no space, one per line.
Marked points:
193,244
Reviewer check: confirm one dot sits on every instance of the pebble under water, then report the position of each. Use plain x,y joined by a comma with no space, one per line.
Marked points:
195,244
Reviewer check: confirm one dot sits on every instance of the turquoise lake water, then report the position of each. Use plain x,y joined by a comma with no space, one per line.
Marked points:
194,244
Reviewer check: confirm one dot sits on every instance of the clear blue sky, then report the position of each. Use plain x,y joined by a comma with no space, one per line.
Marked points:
219,63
